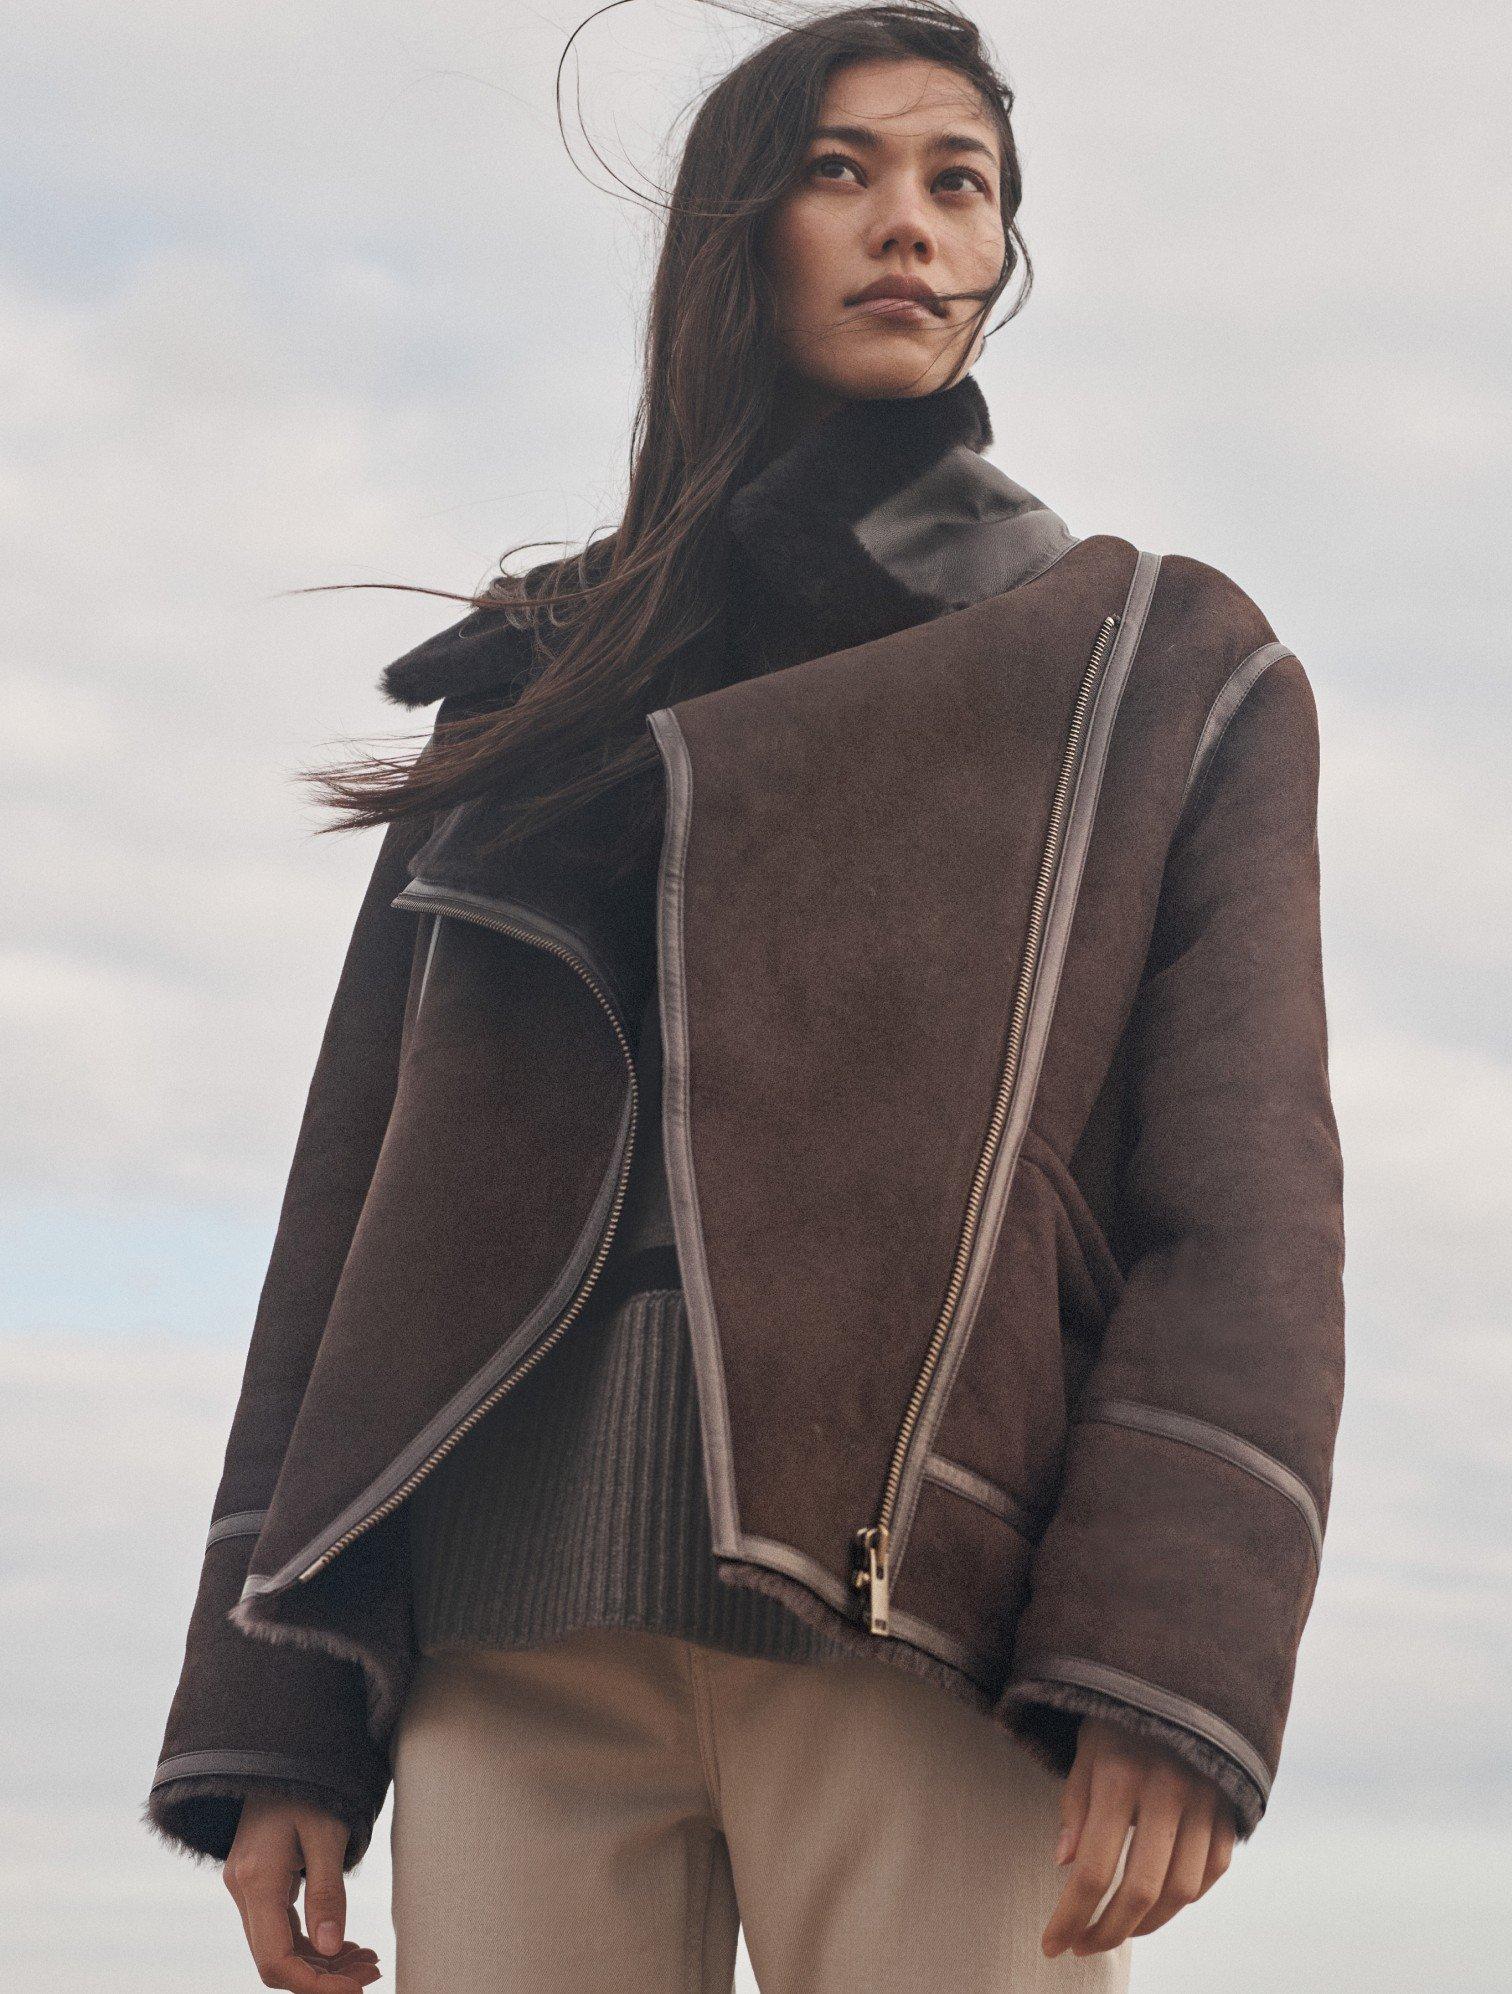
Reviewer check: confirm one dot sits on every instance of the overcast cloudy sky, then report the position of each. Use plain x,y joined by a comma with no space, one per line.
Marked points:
299,294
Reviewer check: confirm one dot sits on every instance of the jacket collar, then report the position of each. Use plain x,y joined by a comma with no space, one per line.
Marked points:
882,515
887,513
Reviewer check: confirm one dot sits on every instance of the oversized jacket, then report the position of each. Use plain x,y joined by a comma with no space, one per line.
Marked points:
1004,1174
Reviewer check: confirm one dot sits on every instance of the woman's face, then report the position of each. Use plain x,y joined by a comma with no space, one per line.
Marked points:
899,180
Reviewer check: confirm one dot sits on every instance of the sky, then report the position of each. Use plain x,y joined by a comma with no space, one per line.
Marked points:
293,295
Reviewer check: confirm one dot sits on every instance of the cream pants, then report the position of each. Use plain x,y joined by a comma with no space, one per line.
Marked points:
607,1811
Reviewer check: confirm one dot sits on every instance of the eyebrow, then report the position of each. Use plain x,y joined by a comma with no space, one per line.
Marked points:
864,138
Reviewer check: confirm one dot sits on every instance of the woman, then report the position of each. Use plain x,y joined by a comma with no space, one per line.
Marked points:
803,1346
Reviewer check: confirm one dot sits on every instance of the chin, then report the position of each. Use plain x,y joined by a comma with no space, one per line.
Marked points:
903,367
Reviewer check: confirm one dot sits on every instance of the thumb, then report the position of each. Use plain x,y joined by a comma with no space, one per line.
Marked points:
325,1888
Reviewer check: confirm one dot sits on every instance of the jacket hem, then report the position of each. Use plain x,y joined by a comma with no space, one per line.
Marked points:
837,1600
852,1640
450,1417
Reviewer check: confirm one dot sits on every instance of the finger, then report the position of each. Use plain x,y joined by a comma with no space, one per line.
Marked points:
1157,1819
1115,1786
324,1840
1075,1796
272,1926
353,1966
351,1954
1188,1865
1221,1851
266,1883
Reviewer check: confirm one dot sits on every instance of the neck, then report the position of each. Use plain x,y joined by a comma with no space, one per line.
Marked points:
798,405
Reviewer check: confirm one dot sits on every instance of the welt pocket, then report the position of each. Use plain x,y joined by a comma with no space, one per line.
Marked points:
1022,1517
1101,1275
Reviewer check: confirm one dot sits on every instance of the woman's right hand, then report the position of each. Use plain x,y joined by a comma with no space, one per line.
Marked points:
277,1840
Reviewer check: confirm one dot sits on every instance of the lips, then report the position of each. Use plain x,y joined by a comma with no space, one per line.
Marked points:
904,296
901,308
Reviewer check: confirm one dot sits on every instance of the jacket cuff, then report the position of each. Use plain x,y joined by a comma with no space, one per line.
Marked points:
198,1814
1174,1578
1045,1714
249,1710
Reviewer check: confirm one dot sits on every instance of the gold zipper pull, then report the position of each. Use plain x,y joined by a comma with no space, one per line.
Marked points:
872,1576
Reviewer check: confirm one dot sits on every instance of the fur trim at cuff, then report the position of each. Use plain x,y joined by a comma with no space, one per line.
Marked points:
199,1815
1045,1719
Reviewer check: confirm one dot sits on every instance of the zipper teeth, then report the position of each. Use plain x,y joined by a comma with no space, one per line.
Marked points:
574,1307
1006,1081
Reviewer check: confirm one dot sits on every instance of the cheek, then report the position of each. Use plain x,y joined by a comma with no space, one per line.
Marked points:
800,251
987,249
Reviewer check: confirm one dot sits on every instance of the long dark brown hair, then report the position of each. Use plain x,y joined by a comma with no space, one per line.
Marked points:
633,621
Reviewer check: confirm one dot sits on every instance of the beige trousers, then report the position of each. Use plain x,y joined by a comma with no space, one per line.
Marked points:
607,1811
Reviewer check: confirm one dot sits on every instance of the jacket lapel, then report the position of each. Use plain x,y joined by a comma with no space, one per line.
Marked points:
885,515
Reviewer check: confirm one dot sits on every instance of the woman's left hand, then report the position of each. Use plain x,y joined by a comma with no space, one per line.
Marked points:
1184,1831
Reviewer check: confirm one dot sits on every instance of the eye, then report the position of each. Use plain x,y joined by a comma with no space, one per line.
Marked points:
841,159
975,178
830,159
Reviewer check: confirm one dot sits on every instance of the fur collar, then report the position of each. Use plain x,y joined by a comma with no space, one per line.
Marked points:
882,515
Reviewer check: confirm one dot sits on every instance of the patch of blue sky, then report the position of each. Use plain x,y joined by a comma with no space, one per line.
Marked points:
195,1272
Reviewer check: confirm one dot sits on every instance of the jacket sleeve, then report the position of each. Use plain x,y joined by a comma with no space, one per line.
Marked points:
1170,1587
247,1713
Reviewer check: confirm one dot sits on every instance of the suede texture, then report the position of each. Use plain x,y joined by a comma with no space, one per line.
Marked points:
864,834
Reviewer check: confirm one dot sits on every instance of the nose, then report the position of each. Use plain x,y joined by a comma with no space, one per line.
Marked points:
902,224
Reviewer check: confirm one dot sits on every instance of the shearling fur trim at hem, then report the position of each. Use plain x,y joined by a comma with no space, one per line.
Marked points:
198,1816
849,1639
1042,1717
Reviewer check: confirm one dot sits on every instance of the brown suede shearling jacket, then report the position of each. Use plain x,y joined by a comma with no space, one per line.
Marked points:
989,964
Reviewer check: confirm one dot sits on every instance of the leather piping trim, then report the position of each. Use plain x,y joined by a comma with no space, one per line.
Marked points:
236,1764
728,1540
1230,1447
236,1523
796,1564
1149,1696
677,1140
540,1318
432,896
430,956
991,1496
1080,818
1231,696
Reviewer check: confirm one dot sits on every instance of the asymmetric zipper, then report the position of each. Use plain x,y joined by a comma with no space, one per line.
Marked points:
875,1573
465,908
